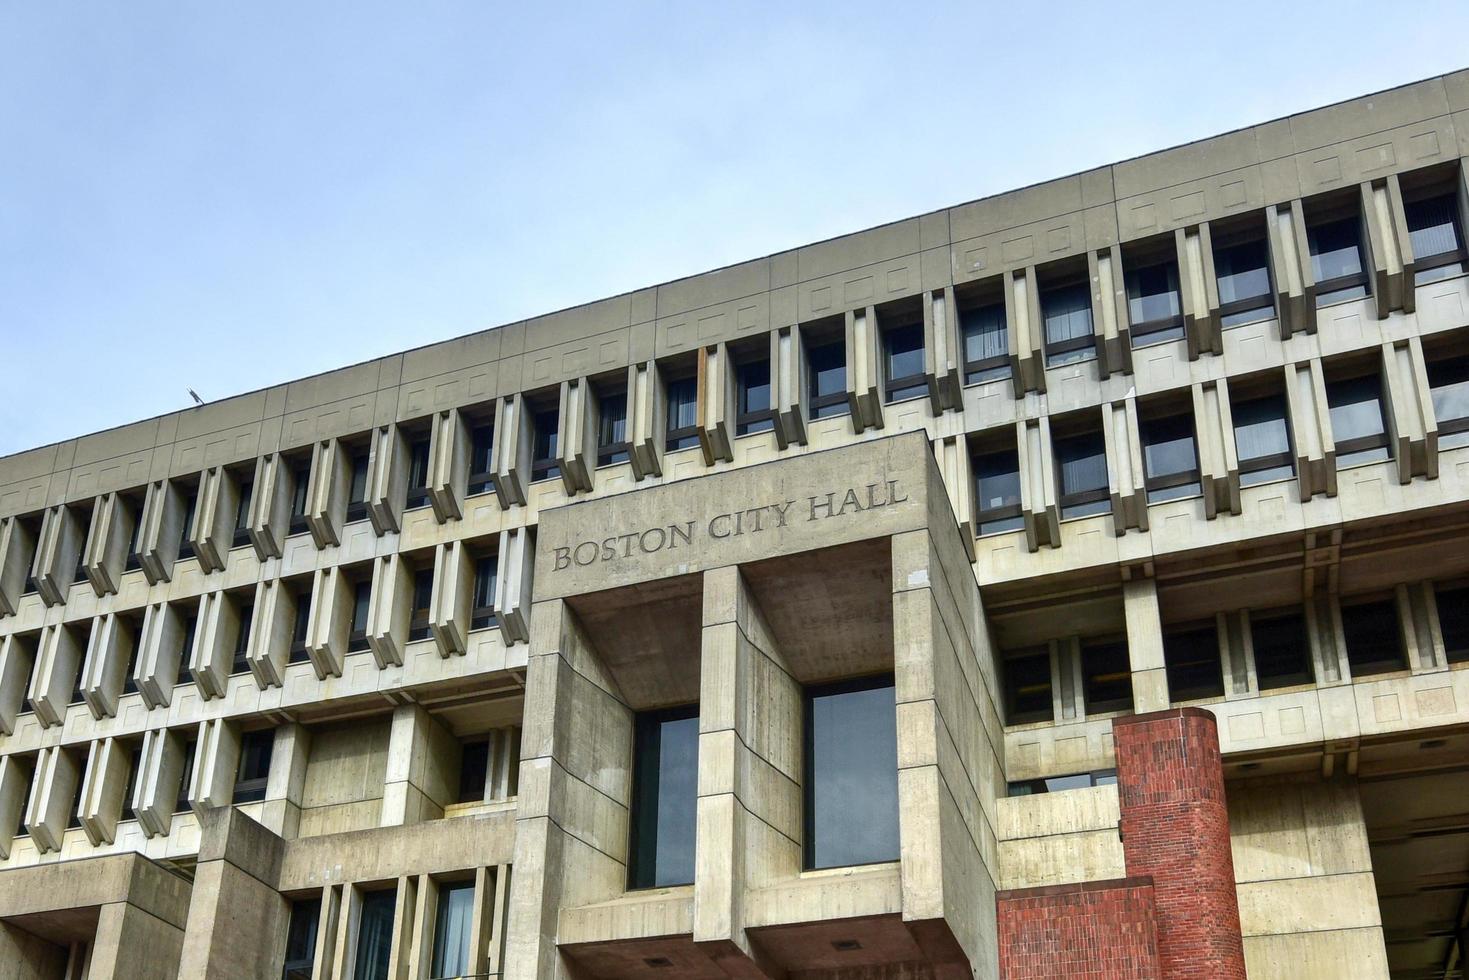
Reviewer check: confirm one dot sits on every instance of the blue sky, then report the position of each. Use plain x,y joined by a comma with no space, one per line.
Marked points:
228,196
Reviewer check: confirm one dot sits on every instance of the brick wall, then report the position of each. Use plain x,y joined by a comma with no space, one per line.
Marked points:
1175,830
1098,930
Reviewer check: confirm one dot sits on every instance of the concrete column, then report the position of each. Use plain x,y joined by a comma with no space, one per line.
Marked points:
422,769
1145,645
132,942
943,351
237,921
1038,499
281,810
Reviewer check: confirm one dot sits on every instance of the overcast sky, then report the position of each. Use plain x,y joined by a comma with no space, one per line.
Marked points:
226,196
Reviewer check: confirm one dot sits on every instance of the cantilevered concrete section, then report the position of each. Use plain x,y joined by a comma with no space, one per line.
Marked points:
1072,579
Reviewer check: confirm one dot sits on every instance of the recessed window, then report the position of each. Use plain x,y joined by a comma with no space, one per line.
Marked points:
1357,424
1057,784
134,510
1448,380
1081,474
545,440
826,368
986,343
612,443
665,791
1154,313
481,460
300,488
682,431
482,615
903,361
1336,260
755,412
129,679
301,939
474,765
451,931
1282,649
1106,676
418,454
181,805
135,765
1242,271
1066,310
254,770
240,664
1373,637
851,784
1453,622
1028,687
357,464
361,600
1437,238
1170,458
191,501
186,650
374,935
997,492
1191,656
299,653
241,536
423,593
1262,440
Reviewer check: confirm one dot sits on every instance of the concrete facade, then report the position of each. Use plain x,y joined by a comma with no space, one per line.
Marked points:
1146,487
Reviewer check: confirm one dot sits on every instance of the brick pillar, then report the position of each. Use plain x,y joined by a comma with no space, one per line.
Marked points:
1175,829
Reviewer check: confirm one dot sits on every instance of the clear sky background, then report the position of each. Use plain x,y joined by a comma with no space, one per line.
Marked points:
226,196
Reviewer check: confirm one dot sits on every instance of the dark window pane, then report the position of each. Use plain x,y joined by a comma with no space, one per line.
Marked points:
474,761
241,663
357,487
851,774
1152,303
665,790
1243,275
827,367
451,931
423,594
181,805
754,389
1282,651
186,650
1081,466
544,445
298,634
1028,688
1067,312
254,769
1374,645
417,473
483,614
375,935
1336,253
1438,242
1449,382
191,500
242,508
300,487
1262,440
1357,425
1170,458
1453,621
301,939
481,462
1057,784
904,349
361,599
986,343
1107,677
1192,659
997,492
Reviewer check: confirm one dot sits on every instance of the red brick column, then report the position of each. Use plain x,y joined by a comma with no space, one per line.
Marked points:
1098,930
1175,829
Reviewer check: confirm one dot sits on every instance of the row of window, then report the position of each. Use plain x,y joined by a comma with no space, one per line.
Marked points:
1371,632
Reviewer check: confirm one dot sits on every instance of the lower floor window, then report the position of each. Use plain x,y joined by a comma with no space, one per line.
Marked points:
374,935
851,778
665,792
451,931
301,939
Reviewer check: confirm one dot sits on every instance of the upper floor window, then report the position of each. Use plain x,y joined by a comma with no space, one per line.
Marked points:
191,501
1066,310
246,486
612,442
186,649
254,770
1191,659
301,939
665,791
1453,621
1373,638
481,460
361,600
1357,424
423,593
1437,238
300,489
683,414
474,768
997,492
300,628
241,662
851,769
826,366
452,930
1242,271
418,453
357,485
1028,687
181,805
756,413
986,343
545,440
1081,474
482,615
1170,458
1336,260
1262,440
1282,650
1058,784
1106,674
375,935
134,509
903,361
1154,313
1448,380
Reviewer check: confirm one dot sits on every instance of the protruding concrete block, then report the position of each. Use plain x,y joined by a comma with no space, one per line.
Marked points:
17,660
326,494
1310,424
269,518
110,649
576,449
216,760
103,788
647,407
17,545
161,768
718,403
1038,501
1025,330
106,552
389,609
1199,290
1408,401
216,635
512,449
453,597
53,796
1218,455
163,530
15,791
1290,270
272,629
789,385
1125,475
864,368
1110,320
160,647
212,531
58,551
387,478
448,468
58,669
513,582
943,350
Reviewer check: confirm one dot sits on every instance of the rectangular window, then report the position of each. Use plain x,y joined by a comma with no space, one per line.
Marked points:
242,512
191,501
903,363
826,367
357,485
417,473
544,446
1357,424
1282,651
374,935
1028,687
481,460
482,615
299,654
682,431
1066,310
1191,656
986,343
1057,784
181,805
135,514
1448,381
851,774
451,931
612,444
1262,440
254,771
474,764
1081,475
301,939
241,662
1106,677
1374,641
665,789
1170,458
756,413
186,650
1437,238
1336,260
361,600
135,764
1153,310
1243,273
300,487
997,492
1453,622
423,594
130,680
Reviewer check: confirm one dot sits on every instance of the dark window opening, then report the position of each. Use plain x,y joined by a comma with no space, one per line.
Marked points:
241,534
1028,687
301,939
1154,313
1282,650
826,367
361,600
451,931
375,935
1374,641
134,511
1336,260
241,662
482,615
1066,312
357,486
986,343
851,774
545,443
903,361
682,426
1448,382
1170,458
612,442
423,593
1242,271
130,680
299,653
181,805
191,501
755,413
418,455
997,492
186,651
300,488
1357,424
1453,622
665,791
1081,475
474,764
135,764
1106,677
1436,236
1262,440
1057,784
481,460
254,769
1191,656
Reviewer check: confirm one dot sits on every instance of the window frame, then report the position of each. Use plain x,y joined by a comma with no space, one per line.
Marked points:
481,481
1191,662
546,467
1056,353
641,878
1263,303
359,459
749,421
252,789
1380,665
832,404
677,438
420,616
1432,263
1080,498
300,494
1110,706
985,369
809,694
1170,481
615,451
1270,461
1326,289
1148,333
1455,425
482,617
986,518
244,491
241,657
1357,446
1307,672
357,639
1013,715
907,387
420,458
299,651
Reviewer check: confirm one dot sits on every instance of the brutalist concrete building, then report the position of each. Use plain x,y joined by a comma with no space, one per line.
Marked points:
1074,582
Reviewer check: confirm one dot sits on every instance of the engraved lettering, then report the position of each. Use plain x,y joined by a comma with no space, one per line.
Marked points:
577,554
685,531
563,558
714,522
643,540
817,504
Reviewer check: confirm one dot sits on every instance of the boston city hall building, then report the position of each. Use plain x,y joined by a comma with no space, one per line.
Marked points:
1071,583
